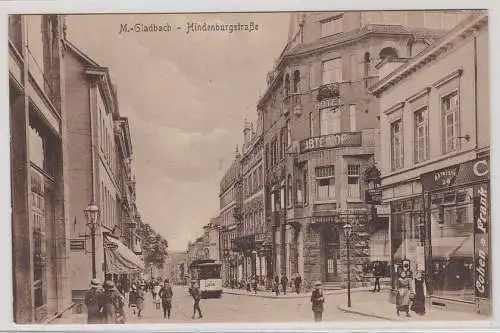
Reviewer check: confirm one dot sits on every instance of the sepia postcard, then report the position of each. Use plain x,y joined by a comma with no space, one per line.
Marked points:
251,167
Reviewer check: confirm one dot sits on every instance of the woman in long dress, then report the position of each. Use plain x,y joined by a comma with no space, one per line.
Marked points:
141,295
403,295
112,304
420,293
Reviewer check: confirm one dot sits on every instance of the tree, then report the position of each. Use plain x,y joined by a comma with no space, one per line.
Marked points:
154,246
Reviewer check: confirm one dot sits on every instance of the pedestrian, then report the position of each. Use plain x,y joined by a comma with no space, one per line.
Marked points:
141,295
276,285
317,301
166,294
298,283
403,294
132,298
154,290
156,298
420,290
112,309
376,275
254,284
94,303
284,283
195,292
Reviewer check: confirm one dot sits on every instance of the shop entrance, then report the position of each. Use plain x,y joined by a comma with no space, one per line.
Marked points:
331,243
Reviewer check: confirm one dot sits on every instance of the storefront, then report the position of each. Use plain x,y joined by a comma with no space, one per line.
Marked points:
457,200
121,264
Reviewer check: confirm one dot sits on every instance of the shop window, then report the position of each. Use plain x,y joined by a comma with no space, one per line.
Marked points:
353,171
325,183
397,145
421,141
450,114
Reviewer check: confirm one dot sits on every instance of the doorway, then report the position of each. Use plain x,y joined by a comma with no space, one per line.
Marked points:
331,243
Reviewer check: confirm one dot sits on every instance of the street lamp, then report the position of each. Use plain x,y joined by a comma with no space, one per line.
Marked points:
348,232
92,214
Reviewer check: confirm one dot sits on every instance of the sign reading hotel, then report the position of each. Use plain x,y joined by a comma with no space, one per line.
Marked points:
349,139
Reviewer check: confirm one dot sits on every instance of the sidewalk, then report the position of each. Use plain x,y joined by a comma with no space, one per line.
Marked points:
291,294
387,311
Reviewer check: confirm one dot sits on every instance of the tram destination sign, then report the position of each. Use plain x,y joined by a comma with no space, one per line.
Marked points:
348,139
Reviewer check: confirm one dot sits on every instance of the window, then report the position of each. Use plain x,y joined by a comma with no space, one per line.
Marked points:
325,182
311,125
388,53
421,149
282,143
354,67
288,134
367,64
299,191
332,26
290,191
306,186
396,145
450,112
296,81
353,181
352,117
39,238
332,71
287,85
329,121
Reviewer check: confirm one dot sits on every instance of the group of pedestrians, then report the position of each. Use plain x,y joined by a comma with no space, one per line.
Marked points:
411,293
105,304
283,283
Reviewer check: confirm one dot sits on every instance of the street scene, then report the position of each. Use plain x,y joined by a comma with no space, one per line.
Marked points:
250,167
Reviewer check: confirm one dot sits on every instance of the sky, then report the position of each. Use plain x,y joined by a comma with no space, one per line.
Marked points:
186,96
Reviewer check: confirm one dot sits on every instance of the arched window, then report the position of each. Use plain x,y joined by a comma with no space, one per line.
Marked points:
287,85
290,190
367,64
388,53
296,81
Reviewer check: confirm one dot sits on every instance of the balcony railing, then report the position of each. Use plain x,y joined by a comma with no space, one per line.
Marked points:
329,90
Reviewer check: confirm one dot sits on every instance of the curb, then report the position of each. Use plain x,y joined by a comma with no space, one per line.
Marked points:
347,310
333,292
59,314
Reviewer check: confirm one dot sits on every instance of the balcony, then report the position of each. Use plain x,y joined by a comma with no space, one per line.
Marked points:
328,91
292,104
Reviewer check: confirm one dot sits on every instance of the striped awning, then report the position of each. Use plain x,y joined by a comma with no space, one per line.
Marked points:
119,258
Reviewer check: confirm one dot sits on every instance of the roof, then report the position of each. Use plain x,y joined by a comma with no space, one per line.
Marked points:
442,45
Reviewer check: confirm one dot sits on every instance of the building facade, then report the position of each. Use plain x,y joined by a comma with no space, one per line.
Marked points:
230,215
321,136
99,162
253,241
39,171
435,117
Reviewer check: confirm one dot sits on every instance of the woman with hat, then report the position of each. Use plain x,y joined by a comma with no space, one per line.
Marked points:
141,295
403,295
132,298
112,309
317,301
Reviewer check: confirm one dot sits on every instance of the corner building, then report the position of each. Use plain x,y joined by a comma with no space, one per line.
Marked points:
435,123
321,137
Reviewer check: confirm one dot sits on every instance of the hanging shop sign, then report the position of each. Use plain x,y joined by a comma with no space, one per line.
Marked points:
460,174
481,232
348,139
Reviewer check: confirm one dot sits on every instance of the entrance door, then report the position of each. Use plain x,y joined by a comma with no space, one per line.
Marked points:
332,254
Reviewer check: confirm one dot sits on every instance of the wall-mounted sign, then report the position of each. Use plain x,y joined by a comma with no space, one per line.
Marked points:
327,103
350,139
461,174
481,232
373,196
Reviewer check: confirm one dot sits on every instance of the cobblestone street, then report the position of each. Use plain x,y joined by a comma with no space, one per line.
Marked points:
244,309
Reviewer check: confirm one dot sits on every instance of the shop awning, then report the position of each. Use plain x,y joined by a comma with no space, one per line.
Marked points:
120,258
447,247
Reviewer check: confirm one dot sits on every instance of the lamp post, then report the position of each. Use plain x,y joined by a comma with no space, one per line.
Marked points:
92,214
348,232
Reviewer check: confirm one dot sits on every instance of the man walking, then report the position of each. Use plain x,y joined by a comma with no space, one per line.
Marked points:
298,283
284,283
166,294
317,301
376,274
195,292
94,303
